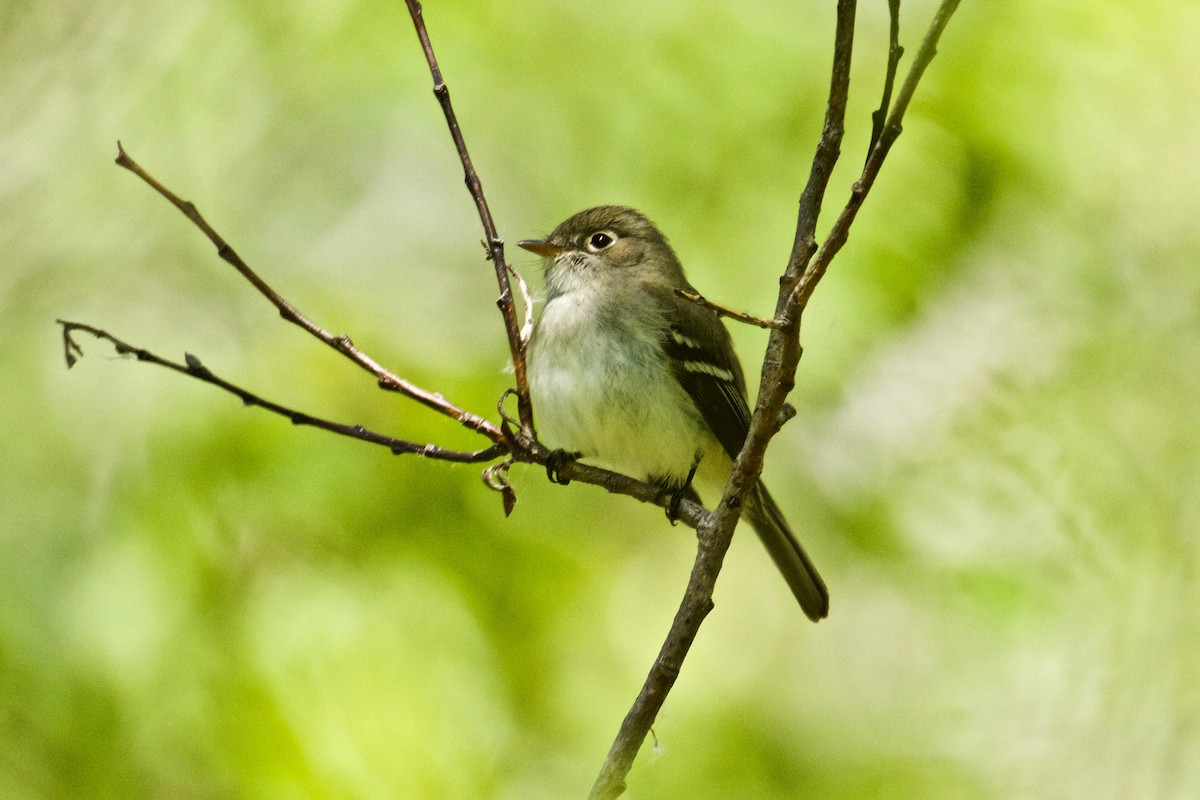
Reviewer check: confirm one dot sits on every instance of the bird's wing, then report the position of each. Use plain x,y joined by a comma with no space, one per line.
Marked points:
708,372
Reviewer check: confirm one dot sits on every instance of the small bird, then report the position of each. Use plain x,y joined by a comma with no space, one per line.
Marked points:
633,378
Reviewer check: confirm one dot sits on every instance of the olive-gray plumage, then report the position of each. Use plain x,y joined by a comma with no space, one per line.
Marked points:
642,381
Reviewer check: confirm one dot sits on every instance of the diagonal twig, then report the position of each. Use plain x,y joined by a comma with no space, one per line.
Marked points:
495,245
387,380
521,445
193,368
521,448
725,311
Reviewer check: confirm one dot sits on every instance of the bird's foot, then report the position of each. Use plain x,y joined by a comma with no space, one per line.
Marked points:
684,492
556,461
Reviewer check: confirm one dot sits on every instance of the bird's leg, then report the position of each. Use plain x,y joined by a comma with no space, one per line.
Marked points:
685,492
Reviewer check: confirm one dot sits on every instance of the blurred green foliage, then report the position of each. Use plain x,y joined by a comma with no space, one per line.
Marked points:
995,461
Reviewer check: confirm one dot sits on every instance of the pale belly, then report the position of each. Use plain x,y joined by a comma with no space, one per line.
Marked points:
613,398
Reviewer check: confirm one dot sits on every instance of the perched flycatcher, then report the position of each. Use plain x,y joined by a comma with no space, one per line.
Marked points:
638,380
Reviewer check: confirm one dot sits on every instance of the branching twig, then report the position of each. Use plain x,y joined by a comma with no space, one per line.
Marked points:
715,532
806,266
192,367
895,51
342,344
779,369
840,231
521,448
684,511
829,147
724,311
495,245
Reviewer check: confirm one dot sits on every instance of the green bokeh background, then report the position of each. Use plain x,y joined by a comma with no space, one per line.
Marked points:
994,462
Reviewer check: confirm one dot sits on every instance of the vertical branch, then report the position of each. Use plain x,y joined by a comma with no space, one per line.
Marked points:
715,531
493,242
783,347
829,148
895,51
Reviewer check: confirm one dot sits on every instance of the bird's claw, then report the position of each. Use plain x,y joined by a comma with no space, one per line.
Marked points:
556,461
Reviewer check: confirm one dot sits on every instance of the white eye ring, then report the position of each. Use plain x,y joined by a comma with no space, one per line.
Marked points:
600,240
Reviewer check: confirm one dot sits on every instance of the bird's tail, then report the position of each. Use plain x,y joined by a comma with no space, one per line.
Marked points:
801,576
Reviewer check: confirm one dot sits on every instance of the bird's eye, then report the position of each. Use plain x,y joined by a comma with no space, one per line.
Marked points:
600,240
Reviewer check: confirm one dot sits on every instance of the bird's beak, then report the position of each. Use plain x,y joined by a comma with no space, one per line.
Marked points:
541,247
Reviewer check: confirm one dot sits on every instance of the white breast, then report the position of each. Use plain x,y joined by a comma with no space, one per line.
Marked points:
604,388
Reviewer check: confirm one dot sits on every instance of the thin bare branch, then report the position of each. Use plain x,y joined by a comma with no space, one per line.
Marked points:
840,231
829,148
724,311
685,511
920,63
342,344
895,52
806,265
495,245
193,368
715,529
